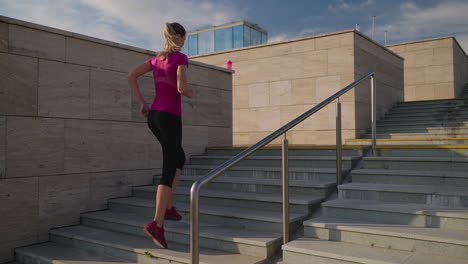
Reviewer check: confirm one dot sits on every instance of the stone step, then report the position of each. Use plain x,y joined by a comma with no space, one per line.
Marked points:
418,177
50,252
430,102
425,120
137,248
433,114
458,151
449,196
420,215
422,121
312,251
421,134
408,115
307,174
299,203
275,161
422,141
431,107
428,130
252,243
442,242
240,217
244,184
419,125
293,150
417,163
431,110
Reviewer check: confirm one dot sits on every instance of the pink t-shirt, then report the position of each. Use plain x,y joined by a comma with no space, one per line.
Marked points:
165,81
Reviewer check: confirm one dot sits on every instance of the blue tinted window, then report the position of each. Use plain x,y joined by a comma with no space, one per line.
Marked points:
264,38
185,48
223,39
247,41
192,45
206,42
255,37
238,32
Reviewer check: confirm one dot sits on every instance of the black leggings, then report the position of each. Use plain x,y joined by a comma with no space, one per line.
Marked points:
167,128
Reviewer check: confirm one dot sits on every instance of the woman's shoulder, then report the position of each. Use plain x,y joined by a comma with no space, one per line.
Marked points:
153,60
180,58
180,54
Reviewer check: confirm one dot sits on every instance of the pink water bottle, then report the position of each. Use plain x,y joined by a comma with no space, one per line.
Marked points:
229,65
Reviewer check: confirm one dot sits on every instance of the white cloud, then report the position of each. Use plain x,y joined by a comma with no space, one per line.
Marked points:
344,5
67,15
415,22
123,21
148,16
292,35
463,41
279,37
309,31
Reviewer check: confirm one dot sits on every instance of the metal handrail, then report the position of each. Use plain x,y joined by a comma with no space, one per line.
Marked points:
195,190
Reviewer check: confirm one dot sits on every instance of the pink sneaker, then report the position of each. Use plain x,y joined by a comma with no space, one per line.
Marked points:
172,214
156,233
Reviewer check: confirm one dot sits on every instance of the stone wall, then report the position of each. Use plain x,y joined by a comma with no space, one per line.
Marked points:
460,68
370,56
434,68
277,82
71,135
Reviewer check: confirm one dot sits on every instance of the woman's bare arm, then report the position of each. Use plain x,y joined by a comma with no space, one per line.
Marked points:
132,79
182,81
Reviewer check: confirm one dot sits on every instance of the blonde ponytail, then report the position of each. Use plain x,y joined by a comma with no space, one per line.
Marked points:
171,30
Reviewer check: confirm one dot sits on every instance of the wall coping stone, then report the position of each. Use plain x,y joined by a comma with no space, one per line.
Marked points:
23,23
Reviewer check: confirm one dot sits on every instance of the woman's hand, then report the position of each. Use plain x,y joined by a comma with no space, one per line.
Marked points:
189,93
144,110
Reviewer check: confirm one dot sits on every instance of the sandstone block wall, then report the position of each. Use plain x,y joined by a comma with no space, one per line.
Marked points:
277,82
460,68
71,135
370,56
434,68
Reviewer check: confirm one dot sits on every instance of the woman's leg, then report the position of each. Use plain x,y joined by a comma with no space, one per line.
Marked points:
158,124
163,196
164,193
174,185
155,228
179,158
170,136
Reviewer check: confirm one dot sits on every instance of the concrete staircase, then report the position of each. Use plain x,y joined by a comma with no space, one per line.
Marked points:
241,215
406,205
422,123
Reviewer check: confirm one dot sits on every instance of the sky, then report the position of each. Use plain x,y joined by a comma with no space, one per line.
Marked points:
139,22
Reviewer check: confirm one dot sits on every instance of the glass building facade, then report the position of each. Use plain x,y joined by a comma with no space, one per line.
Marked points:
225,37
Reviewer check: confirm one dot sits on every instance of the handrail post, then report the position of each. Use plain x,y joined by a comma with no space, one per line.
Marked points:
194,223
285,169
339,150
374,111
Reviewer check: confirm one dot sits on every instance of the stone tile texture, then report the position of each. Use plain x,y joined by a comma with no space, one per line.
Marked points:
71,132
434,68
285,79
